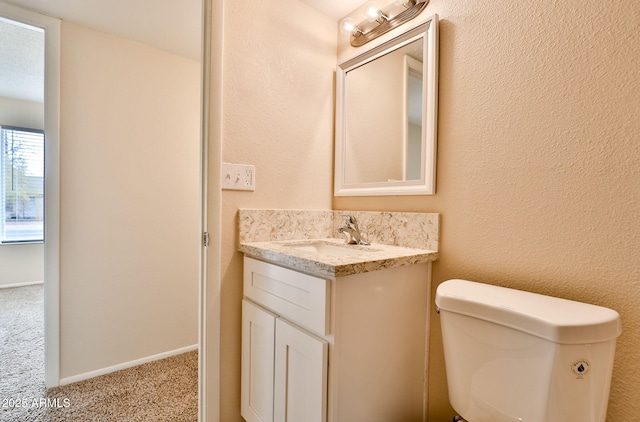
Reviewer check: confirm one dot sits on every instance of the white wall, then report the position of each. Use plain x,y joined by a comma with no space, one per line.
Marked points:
129,168
21,113
21,263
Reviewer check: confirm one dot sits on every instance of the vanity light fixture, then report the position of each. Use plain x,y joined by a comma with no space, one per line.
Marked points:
379,22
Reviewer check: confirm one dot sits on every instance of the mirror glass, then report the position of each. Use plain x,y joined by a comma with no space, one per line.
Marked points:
385,126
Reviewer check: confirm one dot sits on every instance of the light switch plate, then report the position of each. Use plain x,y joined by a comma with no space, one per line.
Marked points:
238,176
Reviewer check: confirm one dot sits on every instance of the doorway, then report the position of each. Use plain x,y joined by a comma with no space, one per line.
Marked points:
51,29
21,115
21,207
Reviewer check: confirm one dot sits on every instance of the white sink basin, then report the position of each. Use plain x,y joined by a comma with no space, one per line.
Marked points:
323,248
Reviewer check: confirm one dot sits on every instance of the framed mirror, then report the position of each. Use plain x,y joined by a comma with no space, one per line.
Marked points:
386,115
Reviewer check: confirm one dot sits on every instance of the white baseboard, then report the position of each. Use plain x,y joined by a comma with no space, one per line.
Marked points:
126,365
24,284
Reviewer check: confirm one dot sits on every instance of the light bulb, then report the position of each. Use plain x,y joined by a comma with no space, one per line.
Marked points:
372,9
348,26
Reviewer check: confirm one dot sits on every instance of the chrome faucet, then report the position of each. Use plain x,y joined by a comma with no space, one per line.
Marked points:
351,231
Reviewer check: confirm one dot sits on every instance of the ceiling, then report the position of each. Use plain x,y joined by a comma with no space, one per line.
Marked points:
171,25
336,9
21,62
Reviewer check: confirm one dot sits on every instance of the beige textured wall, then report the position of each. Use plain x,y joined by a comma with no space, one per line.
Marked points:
129,237
21,263
279,62
538,178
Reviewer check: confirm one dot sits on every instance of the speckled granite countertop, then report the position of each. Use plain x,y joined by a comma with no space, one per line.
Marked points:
371,258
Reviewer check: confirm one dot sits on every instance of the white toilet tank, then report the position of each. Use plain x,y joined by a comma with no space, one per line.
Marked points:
518,356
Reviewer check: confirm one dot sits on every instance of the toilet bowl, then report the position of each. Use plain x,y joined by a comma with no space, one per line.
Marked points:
514,356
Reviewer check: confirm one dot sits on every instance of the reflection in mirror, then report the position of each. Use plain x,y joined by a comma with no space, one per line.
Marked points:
378,108
385,131
412,117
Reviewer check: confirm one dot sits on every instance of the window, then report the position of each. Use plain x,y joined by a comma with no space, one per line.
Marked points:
22,185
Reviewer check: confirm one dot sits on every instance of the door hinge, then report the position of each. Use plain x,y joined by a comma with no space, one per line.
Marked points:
205,239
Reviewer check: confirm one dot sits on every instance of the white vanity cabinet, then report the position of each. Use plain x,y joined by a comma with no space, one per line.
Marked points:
284,369
342,350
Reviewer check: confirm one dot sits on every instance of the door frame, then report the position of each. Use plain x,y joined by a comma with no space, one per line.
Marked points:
51,27
209,330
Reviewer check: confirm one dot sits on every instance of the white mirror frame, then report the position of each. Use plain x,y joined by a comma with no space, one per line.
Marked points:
428,31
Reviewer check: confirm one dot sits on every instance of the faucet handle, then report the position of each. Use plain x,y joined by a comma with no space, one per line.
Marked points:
349,219
352,231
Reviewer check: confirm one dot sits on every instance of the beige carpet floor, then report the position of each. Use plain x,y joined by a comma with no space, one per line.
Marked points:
164,390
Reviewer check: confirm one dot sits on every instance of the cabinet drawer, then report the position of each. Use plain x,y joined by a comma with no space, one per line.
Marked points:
301,298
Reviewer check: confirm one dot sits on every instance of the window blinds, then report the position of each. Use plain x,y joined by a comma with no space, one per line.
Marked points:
22,185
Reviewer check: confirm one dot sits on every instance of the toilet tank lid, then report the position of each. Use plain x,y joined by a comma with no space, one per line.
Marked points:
559,320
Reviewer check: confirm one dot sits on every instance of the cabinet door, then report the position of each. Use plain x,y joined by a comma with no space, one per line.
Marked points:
300,375
258,342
